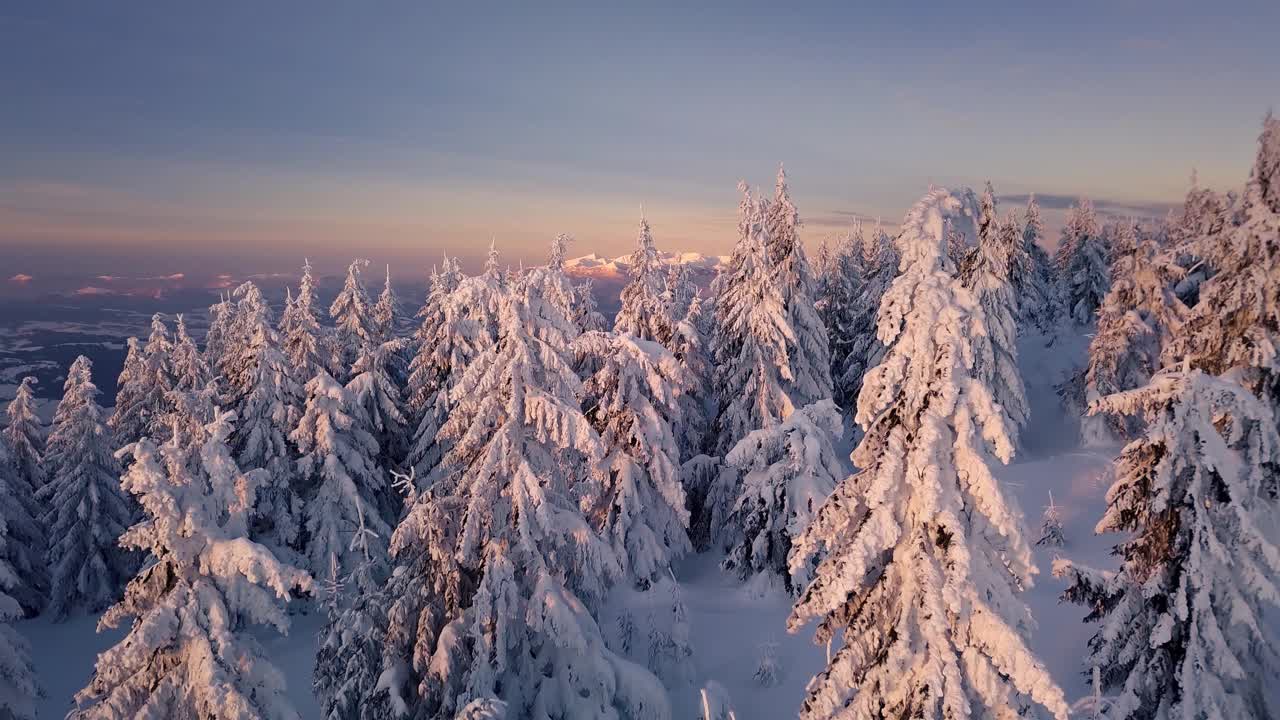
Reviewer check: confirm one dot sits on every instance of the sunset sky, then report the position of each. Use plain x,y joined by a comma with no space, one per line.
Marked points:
167,137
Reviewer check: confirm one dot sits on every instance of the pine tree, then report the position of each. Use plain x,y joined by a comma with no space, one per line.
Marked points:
260,392
349,659
459,320
1051,527
1236,323
19,686
807,377
307,346
24,435
188,653
787,471
858,348
837,291
386,313
1083,266
987,275
141,401
919,555
586,310
1033,276
342,485
633,403
1182,629
517,557
24,579
1138,318
751,335
86,512
351,312
376,396
644,312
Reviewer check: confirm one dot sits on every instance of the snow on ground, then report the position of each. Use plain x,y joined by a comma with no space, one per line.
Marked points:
731,623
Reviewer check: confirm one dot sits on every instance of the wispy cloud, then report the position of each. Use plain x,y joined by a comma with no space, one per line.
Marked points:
21,279
1104,206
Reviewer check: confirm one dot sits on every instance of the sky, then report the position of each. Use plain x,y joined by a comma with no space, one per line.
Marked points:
189,138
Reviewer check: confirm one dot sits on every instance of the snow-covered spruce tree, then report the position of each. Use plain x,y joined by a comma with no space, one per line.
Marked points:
24,435
307,346
1138,318
1084,270
921,557
349,659
644,312
188,653
376,396
787,471
697,405
259,390
1182,629
681,291
1051,526
808,358
633,403
987,275
85,511
587,314
191,372
386,313
839,292
518,557
860,349
140,406
352,316
1034,278
751,334
221,334
342,485
459,320
24,578
19,686
1236,323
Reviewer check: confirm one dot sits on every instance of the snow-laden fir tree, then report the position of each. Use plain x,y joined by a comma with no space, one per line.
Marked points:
1051,526
515,556
24,435
987,275
751,335
191,372
386,312
645,312
587,315
807,378
1084,269
189,652
632,400
352,313
1035,283
260,391
349,659
140,406
1184,620
689,344
342,485
377,398
85,511
24,578
786,471
839,292
1236,323
307,346
1138,318
681,291
221,335
19,686
920,556
860,349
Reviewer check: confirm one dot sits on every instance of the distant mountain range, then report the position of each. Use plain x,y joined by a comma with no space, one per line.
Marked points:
609,275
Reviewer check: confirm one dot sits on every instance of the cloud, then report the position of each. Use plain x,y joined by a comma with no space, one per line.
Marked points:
1104,206
93,290
154,293
21,279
